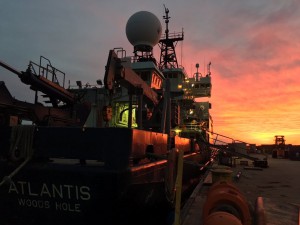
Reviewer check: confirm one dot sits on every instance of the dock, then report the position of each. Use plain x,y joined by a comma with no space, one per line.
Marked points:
273,193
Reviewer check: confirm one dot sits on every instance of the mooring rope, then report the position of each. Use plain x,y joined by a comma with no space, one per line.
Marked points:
21,140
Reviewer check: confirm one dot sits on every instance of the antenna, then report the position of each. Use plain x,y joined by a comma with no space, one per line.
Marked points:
166,18
181,56
168,58
208,68
204,66
197,73
143,31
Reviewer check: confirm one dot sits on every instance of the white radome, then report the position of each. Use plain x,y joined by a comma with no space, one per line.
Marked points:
143,28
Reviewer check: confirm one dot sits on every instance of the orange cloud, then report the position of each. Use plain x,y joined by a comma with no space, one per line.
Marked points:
256,90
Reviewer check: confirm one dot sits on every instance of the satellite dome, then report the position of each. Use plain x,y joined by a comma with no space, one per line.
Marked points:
143,29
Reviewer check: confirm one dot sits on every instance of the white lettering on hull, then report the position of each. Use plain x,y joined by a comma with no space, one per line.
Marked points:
61,197
34,203
66,206
62,191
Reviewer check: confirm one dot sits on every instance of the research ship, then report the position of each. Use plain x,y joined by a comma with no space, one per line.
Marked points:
105,153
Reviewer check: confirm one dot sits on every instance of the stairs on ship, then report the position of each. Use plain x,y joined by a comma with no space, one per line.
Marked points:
232,147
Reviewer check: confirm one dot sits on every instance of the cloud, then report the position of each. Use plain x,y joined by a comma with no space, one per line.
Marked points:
255,67
253,46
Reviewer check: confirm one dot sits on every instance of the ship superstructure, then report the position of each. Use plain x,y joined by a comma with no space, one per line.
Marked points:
190,118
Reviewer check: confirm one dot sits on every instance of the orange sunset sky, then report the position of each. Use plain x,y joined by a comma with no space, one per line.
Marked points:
253,46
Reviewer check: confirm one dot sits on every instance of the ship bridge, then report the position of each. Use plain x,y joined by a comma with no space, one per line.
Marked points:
199,85
197,88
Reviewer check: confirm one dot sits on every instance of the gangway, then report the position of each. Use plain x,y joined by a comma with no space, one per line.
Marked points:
230,145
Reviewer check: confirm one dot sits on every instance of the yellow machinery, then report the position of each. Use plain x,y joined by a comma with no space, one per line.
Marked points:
279,147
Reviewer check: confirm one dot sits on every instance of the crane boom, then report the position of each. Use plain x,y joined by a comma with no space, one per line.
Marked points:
40,83
11,69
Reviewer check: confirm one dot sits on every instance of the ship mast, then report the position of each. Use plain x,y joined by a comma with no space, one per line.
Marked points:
167,45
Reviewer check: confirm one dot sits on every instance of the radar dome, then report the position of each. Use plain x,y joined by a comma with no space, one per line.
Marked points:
143,29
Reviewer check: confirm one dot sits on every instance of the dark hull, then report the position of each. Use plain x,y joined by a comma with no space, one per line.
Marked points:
66,192
84,194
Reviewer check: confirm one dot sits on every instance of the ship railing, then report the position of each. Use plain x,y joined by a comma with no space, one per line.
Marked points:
192,127
174,35
231,145
48,71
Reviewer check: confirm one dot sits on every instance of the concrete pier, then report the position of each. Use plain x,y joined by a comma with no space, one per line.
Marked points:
278,186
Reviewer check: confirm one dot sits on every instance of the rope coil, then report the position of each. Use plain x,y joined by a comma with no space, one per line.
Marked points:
20,148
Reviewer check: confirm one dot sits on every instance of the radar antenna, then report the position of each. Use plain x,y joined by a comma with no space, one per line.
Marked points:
143,30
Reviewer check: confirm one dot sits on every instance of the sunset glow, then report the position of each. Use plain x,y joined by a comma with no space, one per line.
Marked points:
256,85
253,46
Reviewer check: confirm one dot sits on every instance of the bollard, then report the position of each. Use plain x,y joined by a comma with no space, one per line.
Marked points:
260,212
224,196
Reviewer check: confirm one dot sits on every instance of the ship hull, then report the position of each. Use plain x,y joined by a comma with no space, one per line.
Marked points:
120,190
